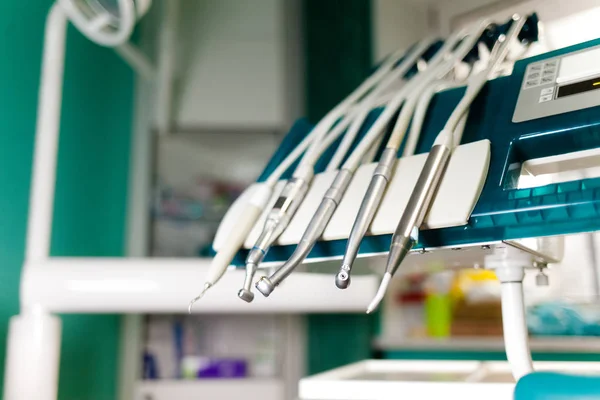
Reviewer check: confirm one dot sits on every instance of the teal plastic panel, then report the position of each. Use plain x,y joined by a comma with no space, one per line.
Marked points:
554,386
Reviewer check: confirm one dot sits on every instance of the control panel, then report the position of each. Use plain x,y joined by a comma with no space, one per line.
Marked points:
559,85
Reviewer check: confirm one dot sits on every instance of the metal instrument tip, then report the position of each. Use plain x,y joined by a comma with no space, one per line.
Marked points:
387,277
342,279
195,299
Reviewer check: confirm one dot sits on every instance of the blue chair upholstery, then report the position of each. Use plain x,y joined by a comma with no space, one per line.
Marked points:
555,386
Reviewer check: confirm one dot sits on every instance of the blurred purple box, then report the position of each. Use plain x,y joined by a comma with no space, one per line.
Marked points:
224,368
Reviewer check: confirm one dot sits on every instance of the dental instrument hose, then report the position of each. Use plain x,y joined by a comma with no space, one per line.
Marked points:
394,76
406,234
295,190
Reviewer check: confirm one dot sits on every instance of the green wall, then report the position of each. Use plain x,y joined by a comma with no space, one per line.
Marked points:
338,58
90,202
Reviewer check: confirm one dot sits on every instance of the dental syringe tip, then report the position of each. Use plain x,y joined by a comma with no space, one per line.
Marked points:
387,277
207,286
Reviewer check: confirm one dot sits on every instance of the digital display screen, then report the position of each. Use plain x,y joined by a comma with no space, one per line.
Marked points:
578,87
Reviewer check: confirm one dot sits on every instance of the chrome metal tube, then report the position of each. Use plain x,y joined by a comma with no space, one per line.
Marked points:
277,221
424,191
313,232
406,234
366,213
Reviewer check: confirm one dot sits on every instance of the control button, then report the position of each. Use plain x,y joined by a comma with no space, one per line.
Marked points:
533,75
530,84
535,68
550,64
545,98
548,79
549,71
546,91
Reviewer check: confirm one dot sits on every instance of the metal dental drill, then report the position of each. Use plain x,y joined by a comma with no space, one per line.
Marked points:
295,190
278,219
406,234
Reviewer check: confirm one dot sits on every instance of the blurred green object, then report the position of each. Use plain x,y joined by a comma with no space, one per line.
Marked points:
338,58
438,314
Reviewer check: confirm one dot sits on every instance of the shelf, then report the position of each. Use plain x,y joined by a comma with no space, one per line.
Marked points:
573,344
225,389
166,285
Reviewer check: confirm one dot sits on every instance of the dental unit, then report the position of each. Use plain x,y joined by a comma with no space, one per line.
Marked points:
440,65
473,186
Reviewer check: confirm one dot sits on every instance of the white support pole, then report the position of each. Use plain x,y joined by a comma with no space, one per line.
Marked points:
138,217
33,348
514,325
509,263
166,66
41,197
33,355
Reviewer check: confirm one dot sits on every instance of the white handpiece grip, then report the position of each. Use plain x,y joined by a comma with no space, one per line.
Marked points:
235,240
236,227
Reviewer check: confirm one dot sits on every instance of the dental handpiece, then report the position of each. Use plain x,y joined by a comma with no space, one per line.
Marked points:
278,219
313,232
406,234
367,210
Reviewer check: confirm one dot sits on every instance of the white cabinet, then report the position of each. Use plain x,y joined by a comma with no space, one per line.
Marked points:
238,65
